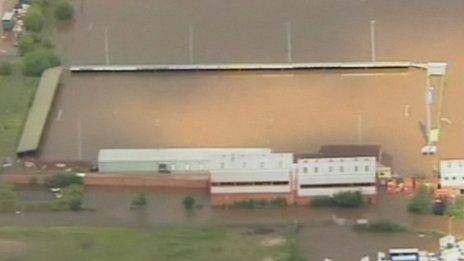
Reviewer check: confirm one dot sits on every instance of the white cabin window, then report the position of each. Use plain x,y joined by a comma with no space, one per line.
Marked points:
316,169
356,169
330,168
244,165
305,170
366,168
223,165
341,169
262,165
281,164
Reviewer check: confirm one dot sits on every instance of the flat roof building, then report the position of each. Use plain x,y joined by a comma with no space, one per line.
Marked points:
452,174
316,177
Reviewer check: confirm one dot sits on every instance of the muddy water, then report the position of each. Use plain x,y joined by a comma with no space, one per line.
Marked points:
297,111
316,237
291,111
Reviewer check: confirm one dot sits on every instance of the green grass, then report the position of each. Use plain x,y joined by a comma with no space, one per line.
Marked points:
16,94
174,243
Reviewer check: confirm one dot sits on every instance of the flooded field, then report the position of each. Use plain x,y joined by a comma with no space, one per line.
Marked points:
290,111
316,236
287,111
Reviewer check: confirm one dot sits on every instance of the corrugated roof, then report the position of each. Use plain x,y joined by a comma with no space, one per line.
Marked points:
38,113
187,154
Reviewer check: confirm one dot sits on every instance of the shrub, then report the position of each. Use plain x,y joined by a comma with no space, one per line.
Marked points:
457,208
189,203
64,11
421,203
278,202
34,20
323,202
348,199
35,62
63,180
8,197
33,41
6,68
72,199
385,226
139,201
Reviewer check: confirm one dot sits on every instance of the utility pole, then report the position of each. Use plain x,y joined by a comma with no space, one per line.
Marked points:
373,53
289,42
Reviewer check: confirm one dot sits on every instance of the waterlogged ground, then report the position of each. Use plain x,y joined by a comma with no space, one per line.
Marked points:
168,243
316,235
290,111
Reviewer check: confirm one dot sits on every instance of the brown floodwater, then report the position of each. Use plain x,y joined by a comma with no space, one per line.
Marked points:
319,236
287,111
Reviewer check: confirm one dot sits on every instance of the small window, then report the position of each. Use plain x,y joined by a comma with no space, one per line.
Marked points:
446,178
262,165
356,168
305,170
366,168
281,164
330,168
316,169
232,157
341,169
223,165
244,165
454,178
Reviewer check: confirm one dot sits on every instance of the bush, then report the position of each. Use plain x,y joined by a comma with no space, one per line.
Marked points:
385,226
6,68
63,180
189,203
34,20
34,63
139,201
348,199
323,202
33,41
457,208
8,197
64,11
421,203
72,199
278,202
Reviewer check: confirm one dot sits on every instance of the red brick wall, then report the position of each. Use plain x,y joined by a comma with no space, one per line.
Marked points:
228,199
144,181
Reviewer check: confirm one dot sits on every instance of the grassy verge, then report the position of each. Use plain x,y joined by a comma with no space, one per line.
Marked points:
382,226
176,243
16,94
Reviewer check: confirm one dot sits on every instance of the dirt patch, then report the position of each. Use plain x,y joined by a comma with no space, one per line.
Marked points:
273,241
11,246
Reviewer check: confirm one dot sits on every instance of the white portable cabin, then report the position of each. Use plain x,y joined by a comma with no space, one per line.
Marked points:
327,176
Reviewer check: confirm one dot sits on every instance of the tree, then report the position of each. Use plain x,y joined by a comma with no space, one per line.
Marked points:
64,11
8,197
421,203
189,203
6,68
32,41
139,201
348,199
457,208
63,180
34,20
73,198
35,62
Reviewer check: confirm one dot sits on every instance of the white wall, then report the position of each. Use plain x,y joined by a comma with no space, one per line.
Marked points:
250,176
358,173
452,173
